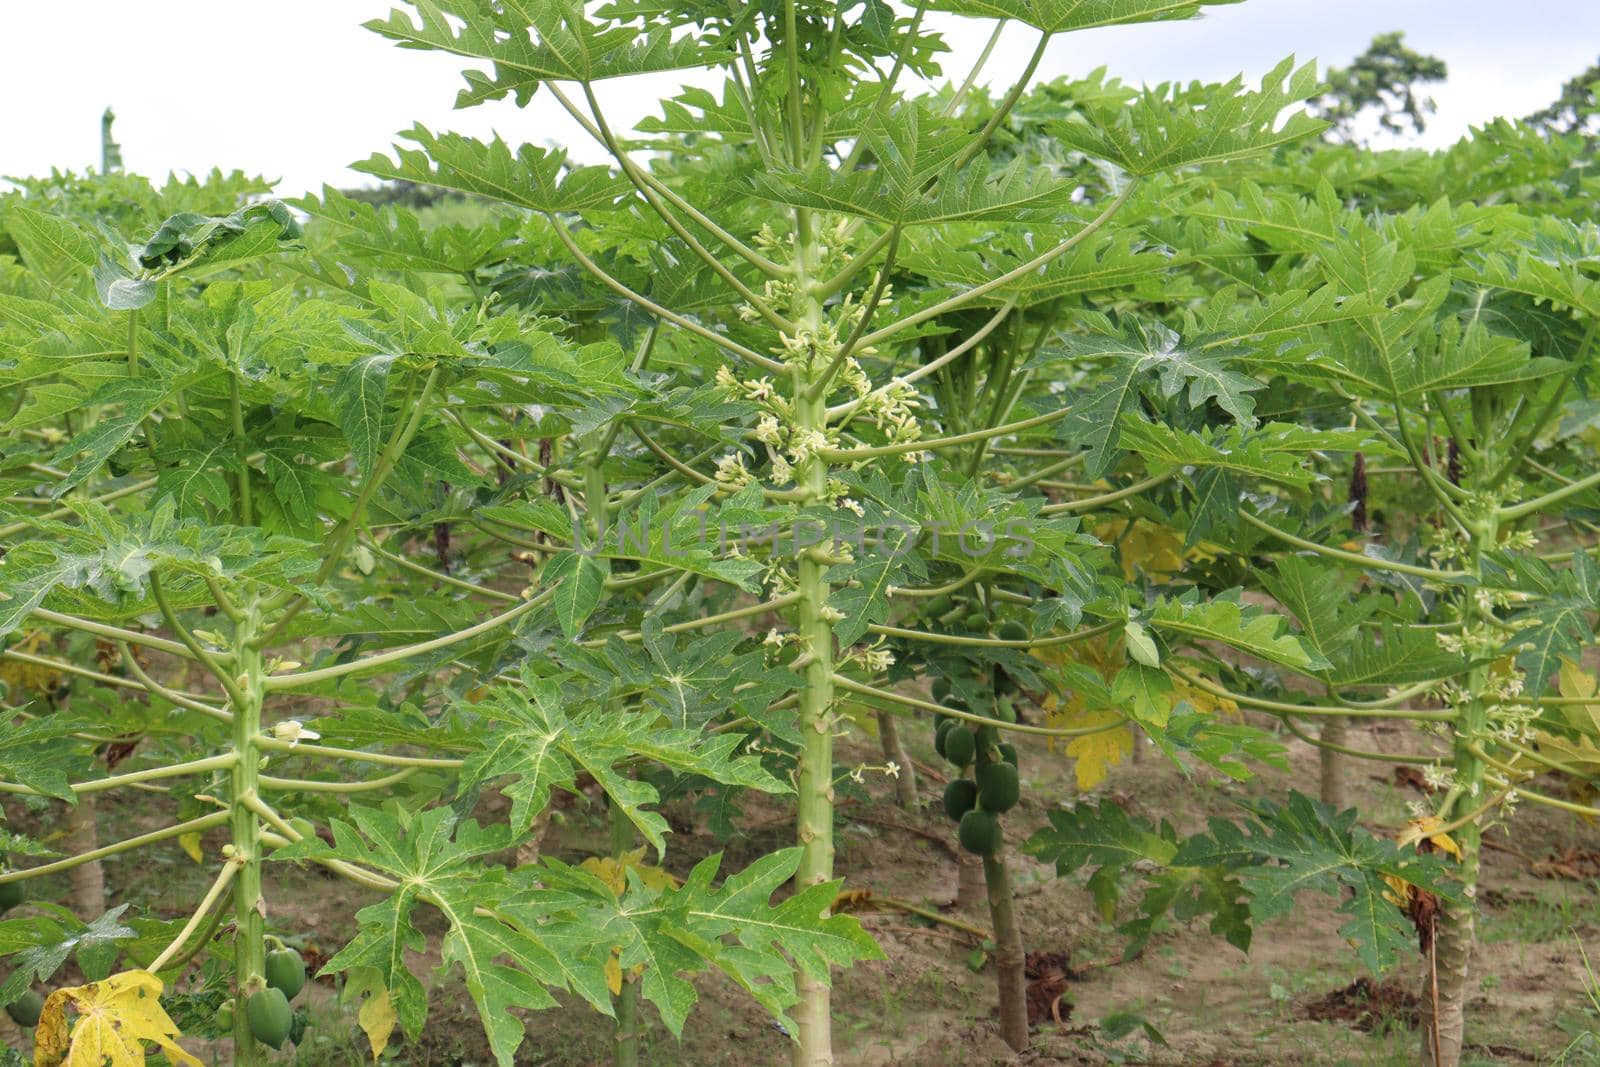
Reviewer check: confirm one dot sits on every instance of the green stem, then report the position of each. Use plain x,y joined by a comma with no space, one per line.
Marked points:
852,455
280,682
814,770
229,684
249,907
1089,503
892,697
236,409
993,642
1003,110
1000,281
1540,503
150,774
113,633
350,755
1356,558
166,833
302,785
218,888
1278,707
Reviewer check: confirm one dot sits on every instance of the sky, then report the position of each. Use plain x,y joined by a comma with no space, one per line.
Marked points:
297,90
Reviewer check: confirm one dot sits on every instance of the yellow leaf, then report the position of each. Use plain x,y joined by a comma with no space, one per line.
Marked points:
116,1018
614,973
190,843
1202,701
613,871
1399,891
1155,550
1574,682
377,1020
376,1016
1096,753
19,675
1427,827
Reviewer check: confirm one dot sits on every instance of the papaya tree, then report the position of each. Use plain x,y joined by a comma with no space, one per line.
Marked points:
216,454
1448,342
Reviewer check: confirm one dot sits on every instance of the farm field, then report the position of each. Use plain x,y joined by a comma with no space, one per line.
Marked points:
926,1005
895,565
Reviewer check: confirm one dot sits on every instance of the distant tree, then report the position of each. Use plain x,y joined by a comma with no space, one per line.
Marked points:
1385,80
406,194
1577,109
110,150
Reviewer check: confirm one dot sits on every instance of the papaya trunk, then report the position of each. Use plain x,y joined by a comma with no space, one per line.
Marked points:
249,906
814,778
905,782
970,892
626,1035
88,880
1008,957
1333,769
1444,1012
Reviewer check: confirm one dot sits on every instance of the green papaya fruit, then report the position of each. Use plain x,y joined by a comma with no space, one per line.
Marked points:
939,605
286,971
959,745
940,690
11,894
977,622
1008,752
270,1017
1012,630
959,797
979,832
988,737
224,1017
26,1009
941,734
998,788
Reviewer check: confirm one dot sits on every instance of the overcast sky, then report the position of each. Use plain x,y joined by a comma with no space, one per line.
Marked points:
297,90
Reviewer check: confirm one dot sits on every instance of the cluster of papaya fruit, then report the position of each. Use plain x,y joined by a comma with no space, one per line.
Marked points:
977,802
271,1020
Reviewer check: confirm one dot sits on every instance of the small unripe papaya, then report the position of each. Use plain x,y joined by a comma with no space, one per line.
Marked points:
286,971
959,797
941,690
941,734
977,622
11,894
959,745
998,788
270,1017
26,1009
979,832
1008,752
1012,630
224,1017
939,604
